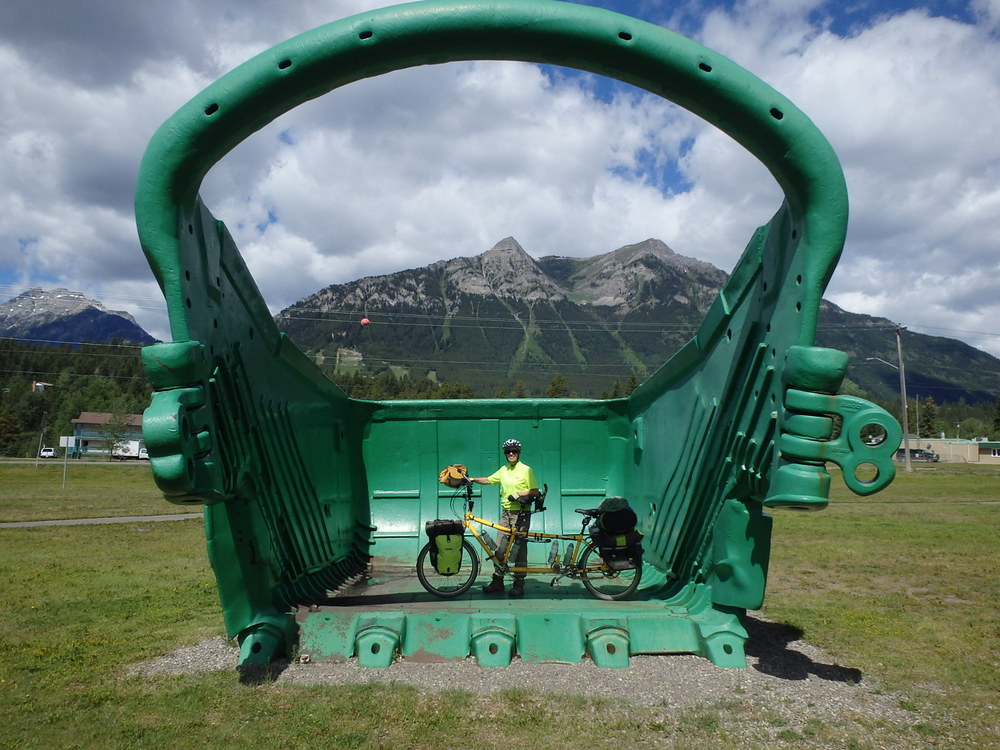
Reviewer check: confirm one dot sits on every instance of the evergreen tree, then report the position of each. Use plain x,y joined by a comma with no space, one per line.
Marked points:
616,390
10,432
557,388
928,426
996,419
455,390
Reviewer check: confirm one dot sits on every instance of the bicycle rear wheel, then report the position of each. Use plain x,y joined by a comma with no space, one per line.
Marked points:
603,582
448,586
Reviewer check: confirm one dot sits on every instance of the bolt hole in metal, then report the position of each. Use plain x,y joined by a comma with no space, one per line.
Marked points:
211,109
366,35
284,64
625,36
611,648
706,67
376,648
776,113
493,648
874,434
256,648
728,648
866,473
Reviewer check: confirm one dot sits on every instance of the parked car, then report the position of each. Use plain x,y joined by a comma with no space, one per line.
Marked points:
917,454
143,454
47,453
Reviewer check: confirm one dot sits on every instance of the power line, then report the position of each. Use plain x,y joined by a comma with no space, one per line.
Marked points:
75,353
18,290
869,386
635,326
75,374
513,324
441,320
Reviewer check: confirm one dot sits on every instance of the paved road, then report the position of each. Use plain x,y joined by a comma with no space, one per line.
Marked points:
117,519
135,463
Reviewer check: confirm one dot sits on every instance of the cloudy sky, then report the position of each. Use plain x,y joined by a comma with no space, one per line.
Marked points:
441,161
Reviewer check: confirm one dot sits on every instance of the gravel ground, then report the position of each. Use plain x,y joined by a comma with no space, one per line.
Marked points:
785,675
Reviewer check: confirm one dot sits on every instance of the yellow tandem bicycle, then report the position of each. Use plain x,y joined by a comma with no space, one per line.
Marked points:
613,576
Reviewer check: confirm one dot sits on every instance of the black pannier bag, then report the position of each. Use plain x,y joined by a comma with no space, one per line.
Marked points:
445,535
618,542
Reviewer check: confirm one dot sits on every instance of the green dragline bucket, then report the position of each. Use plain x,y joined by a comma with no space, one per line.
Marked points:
313,500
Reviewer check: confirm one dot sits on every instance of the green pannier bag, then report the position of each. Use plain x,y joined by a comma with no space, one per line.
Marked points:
445,536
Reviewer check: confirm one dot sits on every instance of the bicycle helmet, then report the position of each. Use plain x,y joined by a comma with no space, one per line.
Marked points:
511,445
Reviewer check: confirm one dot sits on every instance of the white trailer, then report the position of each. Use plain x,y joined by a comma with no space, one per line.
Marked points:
128,449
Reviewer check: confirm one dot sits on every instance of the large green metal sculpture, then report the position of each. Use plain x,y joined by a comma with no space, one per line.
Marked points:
305,489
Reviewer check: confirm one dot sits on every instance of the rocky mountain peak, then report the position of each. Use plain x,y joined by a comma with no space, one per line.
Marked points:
634,275
38,305
66,315
505,270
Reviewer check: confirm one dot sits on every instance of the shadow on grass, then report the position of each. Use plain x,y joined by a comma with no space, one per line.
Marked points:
769,643
261,674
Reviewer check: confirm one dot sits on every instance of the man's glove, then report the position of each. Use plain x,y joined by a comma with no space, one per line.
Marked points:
513,499
538,503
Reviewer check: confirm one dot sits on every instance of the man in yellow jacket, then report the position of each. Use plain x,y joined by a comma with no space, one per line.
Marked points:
518,488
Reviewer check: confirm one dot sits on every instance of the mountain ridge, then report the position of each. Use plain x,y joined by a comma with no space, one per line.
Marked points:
500,316
64,316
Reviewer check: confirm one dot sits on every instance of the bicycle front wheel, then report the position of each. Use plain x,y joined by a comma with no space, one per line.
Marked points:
603,582
448,586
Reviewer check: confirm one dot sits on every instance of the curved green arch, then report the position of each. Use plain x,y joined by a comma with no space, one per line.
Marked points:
295,476
305,67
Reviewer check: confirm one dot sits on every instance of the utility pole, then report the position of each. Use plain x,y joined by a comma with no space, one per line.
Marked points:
902,391
41,435
902,396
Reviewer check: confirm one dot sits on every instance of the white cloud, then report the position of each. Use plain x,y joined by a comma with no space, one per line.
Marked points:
439,161
467,155
909,104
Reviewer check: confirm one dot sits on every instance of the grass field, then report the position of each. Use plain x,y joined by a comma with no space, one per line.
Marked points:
902,586
93,490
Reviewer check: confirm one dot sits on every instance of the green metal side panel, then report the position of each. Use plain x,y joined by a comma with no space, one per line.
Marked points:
306,491
573,454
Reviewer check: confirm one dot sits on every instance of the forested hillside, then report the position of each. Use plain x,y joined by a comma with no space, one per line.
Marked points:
42,388
89,377
109,378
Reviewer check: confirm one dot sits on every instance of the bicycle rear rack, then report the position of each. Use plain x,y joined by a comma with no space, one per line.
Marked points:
302,486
